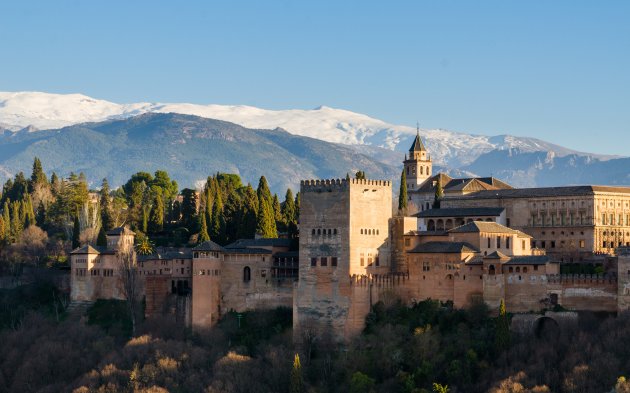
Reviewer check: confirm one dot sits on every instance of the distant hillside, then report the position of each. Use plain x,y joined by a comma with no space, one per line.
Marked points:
188,147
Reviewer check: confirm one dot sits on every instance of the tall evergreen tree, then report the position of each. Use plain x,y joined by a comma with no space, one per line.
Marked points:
6,217
37,176
263,191
106,210
16,221
189,209
157,215
277,210
217,225
203,233
288,208
297,379
502,338
402,195
40,215
439,194
249,215
2,229
101,240
76,233
266,223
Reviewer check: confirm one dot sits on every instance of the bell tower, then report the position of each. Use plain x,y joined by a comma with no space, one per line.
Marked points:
418,166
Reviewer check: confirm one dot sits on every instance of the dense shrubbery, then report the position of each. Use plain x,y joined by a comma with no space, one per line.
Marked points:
427,347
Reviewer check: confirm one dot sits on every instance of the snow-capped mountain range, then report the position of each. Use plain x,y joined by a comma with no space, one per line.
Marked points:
37,111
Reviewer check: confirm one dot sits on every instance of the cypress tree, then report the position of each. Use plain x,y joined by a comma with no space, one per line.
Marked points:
7,222
40,216
402,195
145,219
76,233
2,229
439,194
16,222
217,225
263,191
297,380
297,206
277,210
101,240
203,234
266,223
106,213
249,214
37,176
157,215
502,338
288,208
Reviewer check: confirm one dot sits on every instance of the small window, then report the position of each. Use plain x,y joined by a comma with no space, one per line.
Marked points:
362,261
407,242
324,261
362,231
377,262
518,269
313,261
335,231
319,231
247,274
313,231
524,269
333,261
535,267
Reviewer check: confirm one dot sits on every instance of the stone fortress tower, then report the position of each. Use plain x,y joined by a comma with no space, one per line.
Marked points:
343,236
418,165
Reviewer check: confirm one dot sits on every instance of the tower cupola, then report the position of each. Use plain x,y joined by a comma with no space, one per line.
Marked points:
418,165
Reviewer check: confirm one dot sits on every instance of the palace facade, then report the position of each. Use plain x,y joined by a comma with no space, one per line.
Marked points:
487,242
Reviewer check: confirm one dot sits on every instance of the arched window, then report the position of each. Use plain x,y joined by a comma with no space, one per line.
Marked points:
422,170
525,269
431,225
335,231
491,270
319,231
518,269
362,231
247,274
511,269
313,231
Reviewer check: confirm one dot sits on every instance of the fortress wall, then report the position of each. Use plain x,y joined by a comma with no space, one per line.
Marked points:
468,285
585,292
157,291
525,292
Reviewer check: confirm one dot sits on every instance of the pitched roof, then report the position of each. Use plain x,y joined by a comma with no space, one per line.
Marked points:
485,226
120,230
462,212
542,192
417,144
87,249
470,184
209,246
529,260
444,247
497,255
262,242
247,250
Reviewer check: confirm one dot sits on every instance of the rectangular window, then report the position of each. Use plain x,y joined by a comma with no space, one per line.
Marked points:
535,267
507,222
543,244
489,245
369,261
582,243
507,242
333,261
426,266
324,261
377,262
362,262
533,220
407,242
523,244
498,242
313,261
553,244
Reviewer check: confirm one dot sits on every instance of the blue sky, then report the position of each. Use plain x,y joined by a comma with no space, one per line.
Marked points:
556,70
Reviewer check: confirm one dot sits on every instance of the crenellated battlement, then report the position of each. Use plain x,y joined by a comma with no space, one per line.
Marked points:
581,279
318,185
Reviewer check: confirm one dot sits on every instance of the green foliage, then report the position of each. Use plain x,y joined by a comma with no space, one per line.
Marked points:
255,326
112,316
203,233
189,209
76,233
42,296
265,221
361,383
105,205
144,245
297,380
101,240
402,194
156,223
502,338
439,388
360,175
439,193
217,225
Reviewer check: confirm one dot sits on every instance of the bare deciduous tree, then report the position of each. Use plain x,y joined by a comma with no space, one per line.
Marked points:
131,282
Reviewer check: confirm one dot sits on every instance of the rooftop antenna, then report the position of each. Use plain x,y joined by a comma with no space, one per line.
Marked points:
418,128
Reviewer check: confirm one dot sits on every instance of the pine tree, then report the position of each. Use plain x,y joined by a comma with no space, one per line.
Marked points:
76,233
106,212
297,206
156,223
203,234
502,338
402,195
101,240
439,194
297,380
40,216
347,176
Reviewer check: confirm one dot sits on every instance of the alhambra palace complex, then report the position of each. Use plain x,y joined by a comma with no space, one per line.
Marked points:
487,242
